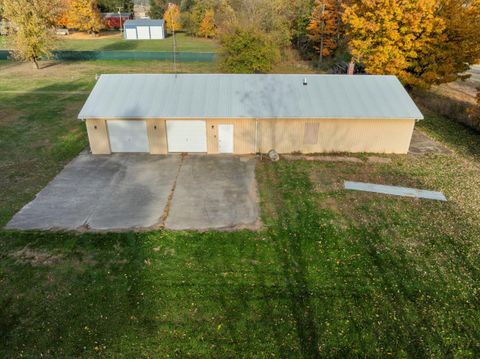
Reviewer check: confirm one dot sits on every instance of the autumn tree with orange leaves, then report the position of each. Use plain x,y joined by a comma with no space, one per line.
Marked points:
172,17
207,26
455,50
387,35
422,42
324,28
83,15
62,17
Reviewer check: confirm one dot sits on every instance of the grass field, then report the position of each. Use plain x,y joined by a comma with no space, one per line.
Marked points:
331,274
185,43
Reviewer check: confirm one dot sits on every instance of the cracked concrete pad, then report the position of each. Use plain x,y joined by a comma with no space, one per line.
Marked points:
120,191
214,192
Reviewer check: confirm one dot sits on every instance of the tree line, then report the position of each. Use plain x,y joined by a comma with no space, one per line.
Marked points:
423,42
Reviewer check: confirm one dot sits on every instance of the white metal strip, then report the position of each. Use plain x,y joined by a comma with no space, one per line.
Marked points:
394,190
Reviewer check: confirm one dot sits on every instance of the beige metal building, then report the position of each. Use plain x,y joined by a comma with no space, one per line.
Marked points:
243,114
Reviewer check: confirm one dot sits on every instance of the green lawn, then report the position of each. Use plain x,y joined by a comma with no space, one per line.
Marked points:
331,274
80,75
185,43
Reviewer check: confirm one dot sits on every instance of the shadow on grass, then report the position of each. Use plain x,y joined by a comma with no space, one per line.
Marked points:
219,294
40,134
81,291
280,292
47,64
123,45
296,224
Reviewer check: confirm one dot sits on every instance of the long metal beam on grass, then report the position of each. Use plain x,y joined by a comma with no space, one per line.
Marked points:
394,190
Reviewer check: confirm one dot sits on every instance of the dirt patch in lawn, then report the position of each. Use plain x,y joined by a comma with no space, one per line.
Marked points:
28,70
358,207
85,36
9,115
320,157
41,257
327,178
36,257
323,158
71,109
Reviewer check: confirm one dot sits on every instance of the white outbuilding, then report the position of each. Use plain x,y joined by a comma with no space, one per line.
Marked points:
144,29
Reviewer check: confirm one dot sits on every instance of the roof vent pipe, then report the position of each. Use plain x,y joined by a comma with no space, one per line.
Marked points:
305,82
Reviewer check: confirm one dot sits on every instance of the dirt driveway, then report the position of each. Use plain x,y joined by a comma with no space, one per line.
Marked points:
137,191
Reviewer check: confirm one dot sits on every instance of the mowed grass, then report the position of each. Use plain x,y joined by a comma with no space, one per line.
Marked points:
39,130
184,43
331,274
80,75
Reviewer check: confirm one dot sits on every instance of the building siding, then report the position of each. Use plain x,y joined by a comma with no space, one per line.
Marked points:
336,135
243,135
157,136
283,135
98,137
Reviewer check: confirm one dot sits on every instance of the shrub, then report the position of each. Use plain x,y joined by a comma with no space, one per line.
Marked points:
246,50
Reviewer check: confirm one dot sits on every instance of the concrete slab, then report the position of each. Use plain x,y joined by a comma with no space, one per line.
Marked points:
112,192
421,144
214,192
134,191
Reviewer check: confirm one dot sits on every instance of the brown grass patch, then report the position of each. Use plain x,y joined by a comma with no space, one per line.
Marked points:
36,257
9,115
269,197
41,258
71,109
360,208
85,36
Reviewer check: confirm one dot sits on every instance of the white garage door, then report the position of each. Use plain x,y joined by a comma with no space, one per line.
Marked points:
187,136
131,34
156,32
128,136
143,32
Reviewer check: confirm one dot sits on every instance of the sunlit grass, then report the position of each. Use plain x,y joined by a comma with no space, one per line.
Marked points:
331,274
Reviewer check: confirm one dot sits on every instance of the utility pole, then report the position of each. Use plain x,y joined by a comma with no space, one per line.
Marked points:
174,44
120,18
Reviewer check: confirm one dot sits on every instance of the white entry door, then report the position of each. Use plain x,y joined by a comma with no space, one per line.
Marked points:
143,32
131,33
187,136
225,138
128,136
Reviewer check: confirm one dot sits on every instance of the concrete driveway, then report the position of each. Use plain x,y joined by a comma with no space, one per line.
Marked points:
141,191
